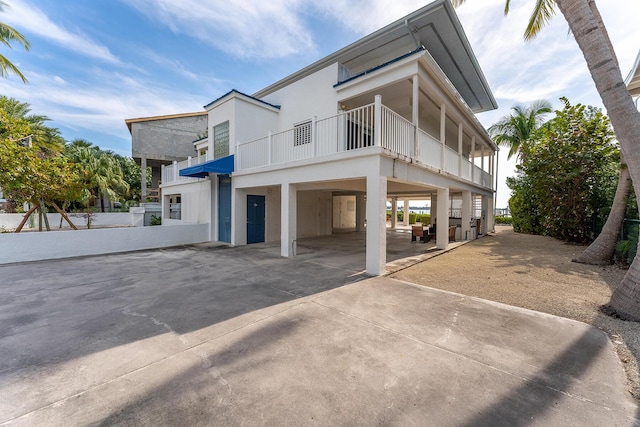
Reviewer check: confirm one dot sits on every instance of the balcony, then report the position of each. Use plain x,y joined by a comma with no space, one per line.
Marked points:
349,131
356,130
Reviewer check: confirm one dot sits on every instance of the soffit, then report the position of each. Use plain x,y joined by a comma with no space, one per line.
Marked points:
437,28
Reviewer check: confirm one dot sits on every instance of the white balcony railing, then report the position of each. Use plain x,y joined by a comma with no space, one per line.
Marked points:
170,173
347,131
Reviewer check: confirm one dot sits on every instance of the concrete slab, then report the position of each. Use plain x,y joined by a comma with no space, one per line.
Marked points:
210,336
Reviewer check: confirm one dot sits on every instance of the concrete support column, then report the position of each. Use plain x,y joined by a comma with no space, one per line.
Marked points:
485,214
394,212
491,216
238,215
466,215
405,212
442,230
434,209
361,211
143,180
288,214
376,224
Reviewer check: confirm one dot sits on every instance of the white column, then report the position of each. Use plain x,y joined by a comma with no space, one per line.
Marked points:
482,159
485,214
491,216
361,211
442,229
415,113
434,209
443,133
394,212
405,212
238,215
175,171
460,136
288,214
466,215
376,224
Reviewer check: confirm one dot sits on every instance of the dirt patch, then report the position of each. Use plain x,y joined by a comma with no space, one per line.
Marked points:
536,273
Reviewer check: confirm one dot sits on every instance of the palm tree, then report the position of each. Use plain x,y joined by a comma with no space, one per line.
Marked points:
8,35
517,130
589,32
101,174
47,139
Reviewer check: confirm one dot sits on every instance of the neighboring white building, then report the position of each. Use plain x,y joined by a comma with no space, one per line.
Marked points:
389,117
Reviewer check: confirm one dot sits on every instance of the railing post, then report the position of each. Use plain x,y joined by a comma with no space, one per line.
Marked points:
473,158
162,175
236,157
443,129
377,121
415,113
269,148
314,135
175,171
188,161
340,131
460,137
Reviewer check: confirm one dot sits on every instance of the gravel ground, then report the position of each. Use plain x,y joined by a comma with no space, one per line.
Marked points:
536,273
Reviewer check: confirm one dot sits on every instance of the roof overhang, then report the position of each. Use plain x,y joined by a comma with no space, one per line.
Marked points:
437,28
223,166
633,79
129,122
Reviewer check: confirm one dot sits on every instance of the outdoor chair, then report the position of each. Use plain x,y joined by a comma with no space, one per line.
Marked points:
418,231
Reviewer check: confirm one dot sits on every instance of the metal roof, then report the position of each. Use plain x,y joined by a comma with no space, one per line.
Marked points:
633,79
437,28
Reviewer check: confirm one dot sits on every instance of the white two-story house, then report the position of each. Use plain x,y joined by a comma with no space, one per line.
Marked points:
389,117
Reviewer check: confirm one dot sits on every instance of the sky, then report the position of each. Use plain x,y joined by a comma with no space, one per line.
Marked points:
93,64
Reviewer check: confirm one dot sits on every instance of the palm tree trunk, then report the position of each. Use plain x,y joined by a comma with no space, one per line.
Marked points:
603,66
601,250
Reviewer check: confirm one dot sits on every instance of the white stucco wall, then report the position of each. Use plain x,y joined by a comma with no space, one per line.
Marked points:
311,96
196,202
11,221
344,211
22,247
314,213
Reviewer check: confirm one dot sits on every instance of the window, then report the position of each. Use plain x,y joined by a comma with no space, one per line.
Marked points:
302,133
221,140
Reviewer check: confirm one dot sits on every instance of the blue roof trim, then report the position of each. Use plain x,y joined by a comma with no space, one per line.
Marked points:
243,94
224,165
377,67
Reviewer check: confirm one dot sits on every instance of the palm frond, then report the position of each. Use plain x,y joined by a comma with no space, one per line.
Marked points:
7,67
542,13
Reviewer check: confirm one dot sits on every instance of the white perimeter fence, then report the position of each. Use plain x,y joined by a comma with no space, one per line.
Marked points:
35,246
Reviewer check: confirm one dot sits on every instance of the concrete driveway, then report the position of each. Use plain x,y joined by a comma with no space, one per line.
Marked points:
228,336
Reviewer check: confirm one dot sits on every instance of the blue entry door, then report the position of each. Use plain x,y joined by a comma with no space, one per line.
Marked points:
224,208
255,219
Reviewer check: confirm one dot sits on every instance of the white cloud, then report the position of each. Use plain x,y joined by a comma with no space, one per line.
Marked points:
264,29
99,107
22,15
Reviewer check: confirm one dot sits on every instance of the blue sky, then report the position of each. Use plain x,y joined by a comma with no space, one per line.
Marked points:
95,63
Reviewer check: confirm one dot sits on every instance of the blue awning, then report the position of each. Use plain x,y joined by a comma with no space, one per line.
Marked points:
223,166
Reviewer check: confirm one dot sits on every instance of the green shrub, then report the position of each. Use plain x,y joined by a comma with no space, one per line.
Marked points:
622,251
412,218
156,220
423,218
505,220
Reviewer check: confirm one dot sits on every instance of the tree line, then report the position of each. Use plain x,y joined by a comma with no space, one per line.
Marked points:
39,168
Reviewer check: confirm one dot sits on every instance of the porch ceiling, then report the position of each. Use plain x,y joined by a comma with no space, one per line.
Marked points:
437,28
